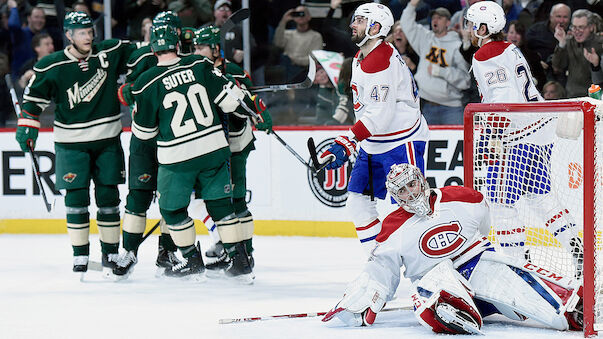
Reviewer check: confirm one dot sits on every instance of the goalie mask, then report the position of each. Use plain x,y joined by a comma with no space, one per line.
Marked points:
374,13
408,187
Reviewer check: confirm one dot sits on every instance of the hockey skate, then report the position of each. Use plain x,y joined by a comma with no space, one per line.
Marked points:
109,263
239,267
165,260
190,268
459,320
125,265
216,260
80,263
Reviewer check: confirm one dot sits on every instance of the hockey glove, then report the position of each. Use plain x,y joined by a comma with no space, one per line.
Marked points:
27,131
124,94
363,299
265,123
338,153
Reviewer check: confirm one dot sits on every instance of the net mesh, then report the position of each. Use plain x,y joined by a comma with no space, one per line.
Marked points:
532,173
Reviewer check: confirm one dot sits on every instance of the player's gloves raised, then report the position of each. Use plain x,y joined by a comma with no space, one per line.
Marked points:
124,94
27,131
265,123
363,299
338,153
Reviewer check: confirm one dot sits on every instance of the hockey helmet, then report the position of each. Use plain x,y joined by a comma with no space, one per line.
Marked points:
75,20
488,13
164,38
408,187
167,18
187,38
374,13
209,35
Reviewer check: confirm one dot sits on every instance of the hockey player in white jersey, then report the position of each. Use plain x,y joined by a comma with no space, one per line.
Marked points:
439,237
518,147
389,125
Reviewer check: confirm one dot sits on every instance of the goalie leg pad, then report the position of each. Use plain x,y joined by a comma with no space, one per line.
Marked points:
443,301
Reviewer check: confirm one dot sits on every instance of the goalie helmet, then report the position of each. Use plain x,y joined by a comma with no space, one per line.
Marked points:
167,18
374,13
408,187
488,13
74,20
164,38
209,35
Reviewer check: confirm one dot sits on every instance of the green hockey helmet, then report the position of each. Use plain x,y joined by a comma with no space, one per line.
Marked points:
209,35
75,20
167,18
187,36
164,38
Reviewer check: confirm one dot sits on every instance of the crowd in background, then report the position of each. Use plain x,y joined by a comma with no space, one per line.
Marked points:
562,41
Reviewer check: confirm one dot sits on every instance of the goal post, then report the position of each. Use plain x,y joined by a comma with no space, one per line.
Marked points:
545,188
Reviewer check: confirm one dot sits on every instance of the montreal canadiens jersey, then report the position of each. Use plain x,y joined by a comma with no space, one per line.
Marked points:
461,218
386,100
504,76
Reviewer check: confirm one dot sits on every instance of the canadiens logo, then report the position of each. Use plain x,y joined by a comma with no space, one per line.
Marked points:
357,103
144,178
69,177
330,187
442,240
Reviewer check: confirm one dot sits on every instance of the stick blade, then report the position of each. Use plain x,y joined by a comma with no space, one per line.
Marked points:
313,155
235,19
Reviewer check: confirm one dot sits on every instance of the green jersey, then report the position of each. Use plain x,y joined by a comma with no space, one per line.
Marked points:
85,91
178,102
240,134
140,60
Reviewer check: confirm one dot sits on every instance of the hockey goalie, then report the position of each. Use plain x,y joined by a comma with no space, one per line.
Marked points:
439,236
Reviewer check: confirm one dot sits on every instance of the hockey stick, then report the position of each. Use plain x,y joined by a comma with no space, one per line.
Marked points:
297,315
295,154
314,156
307,83
34,161
230,23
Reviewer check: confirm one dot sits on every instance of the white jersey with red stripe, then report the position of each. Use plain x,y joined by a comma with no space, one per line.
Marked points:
504,76
386,101
460,222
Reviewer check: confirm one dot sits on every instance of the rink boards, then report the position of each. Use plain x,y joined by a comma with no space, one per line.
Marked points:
285,197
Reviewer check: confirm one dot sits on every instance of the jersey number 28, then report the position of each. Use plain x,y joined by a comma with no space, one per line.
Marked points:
196,97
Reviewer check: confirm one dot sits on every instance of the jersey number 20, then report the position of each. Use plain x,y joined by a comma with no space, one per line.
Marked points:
196,98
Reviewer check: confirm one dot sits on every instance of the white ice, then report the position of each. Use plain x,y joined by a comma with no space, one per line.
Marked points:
41,298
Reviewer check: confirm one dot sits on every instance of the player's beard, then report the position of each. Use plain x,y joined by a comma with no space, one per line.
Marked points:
356,38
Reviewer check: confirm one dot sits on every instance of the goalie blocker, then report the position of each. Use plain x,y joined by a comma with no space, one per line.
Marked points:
459,282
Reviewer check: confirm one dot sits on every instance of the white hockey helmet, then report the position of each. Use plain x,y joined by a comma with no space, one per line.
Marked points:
488,13
374,13
408,187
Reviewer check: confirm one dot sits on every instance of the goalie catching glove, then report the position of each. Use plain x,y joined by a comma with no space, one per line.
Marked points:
27,131
362,300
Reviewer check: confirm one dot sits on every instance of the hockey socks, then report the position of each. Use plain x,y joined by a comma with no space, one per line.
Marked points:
107,220
78,227
165,239
133,227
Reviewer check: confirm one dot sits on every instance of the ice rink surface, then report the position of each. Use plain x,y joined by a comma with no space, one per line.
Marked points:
41,298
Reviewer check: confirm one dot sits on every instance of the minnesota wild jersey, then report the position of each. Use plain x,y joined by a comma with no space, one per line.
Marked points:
178,102
84,90
240,134
140,60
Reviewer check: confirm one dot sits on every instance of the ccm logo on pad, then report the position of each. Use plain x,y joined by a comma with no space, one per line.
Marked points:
442,240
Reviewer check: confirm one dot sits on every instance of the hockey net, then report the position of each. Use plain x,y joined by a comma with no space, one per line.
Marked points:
540,166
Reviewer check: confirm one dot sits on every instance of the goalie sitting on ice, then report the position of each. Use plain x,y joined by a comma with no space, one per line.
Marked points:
439,236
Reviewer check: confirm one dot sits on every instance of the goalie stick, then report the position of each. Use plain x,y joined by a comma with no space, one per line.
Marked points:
34,161
297,315
307,83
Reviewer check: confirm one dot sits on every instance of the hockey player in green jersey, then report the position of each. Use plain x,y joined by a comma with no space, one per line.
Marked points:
82,81
177,101
241,141
142,169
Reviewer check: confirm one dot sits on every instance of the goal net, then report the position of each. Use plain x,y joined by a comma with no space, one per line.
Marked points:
540,166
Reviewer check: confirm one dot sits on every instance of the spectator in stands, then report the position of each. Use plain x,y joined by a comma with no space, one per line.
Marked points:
531,6
145,29
192,13
21,35
574,50
553,90
442,72
297,43
399,40
541,35
42,44
4,33
344,112
336,32
512,10
326,98
596,62
516,36
456,22
137,10
6,109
